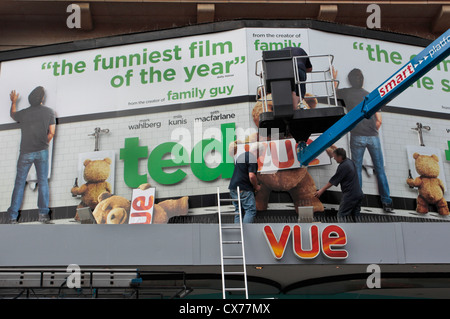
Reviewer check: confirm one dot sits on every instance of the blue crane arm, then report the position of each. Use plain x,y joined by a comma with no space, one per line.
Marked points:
431,56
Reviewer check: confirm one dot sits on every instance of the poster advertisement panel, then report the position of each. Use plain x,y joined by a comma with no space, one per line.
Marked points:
173,107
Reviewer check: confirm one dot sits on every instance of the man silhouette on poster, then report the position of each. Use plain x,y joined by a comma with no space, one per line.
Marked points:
365,135
37,125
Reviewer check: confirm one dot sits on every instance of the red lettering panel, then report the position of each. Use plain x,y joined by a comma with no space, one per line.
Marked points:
289,152
334,236
147,215
139,203
314,242
277,246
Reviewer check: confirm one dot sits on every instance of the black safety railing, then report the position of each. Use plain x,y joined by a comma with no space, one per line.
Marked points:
327,84
91,283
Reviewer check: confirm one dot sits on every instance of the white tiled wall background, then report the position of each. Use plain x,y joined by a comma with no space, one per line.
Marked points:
72,139
397,134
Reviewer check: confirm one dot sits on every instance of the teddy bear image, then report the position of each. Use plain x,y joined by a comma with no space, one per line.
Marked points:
431,188
297,182
113,209
95,174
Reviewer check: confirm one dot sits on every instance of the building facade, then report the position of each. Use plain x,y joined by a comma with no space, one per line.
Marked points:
163,102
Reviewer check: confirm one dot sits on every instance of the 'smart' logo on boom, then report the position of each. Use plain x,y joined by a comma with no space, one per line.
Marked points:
396,79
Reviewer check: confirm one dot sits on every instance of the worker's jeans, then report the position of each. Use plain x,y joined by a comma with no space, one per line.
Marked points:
40,161
248,205
358,145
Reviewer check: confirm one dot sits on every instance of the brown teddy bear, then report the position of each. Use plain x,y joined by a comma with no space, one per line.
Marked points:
95,174
431,188
297,182
113,209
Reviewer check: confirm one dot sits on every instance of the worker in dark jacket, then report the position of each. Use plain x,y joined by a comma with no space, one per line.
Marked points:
347,177
244,177
303,66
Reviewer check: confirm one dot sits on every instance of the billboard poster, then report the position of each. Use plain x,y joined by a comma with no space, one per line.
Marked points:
134,76
279,155
377,61
269,39
142,204
95,176
173,107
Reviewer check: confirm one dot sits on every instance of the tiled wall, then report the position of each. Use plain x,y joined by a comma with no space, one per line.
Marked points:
397,134
72,139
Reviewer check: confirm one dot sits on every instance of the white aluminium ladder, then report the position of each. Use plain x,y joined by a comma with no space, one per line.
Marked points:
234,240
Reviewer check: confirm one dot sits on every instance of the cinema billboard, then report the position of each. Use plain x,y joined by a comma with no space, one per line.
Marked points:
167,111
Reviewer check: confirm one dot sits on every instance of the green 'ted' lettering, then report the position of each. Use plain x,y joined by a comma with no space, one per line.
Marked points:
156,163
198,165
130,154
447,152
226,167
171,155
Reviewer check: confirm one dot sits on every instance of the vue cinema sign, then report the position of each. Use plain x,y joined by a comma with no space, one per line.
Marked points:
330,242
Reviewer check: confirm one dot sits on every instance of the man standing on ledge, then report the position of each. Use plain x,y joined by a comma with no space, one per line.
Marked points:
352,194
37,124
244,176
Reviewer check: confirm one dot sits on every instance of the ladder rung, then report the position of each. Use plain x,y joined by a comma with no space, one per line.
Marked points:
229,211
231,227
235,289
234,273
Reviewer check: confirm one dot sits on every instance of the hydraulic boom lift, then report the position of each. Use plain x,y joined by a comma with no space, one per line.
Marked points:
279,77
